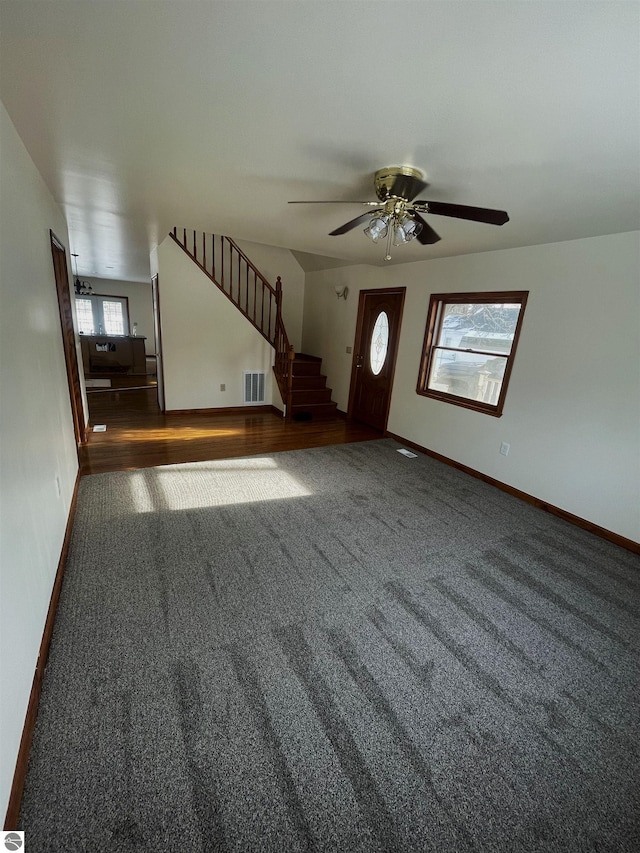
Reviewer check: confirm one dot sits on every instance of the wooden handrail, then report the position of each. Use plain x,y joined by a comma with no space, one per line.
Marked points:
250,264
260,304
285,354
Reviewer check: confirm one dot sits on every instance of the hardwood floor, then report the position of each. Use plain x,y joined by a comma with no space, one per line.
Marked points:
139,436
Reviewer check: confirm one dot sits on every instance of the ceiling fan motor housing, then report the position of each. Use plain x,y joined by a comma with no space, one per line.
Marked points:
396,182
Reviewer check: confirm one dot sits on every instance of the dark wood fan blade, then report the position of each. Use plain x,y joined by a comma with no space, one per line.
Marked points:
427,235
348,226
463,211
407,187
370,203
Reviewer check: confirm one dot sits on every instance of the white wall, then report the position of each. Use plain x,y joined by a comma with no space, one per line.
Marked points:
330,323
206,341
37,440
572,413
140,304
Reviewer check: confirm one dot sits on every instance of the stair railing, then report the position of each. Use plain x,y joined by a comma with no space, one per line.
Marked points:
227,266
285,354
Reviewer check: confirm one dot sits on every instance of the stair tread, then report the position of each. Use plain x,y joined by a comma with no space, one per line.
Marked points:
301,401
301,356
309,383
314,411
329,404
306,368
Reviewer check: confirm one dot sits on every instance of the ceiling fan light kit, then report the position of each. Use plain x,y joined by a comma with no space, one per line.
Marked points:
377,228
406,229
397,216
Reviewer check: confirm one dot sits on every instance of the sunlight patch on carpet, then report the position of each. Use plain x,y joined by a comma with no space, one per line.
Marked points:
225,483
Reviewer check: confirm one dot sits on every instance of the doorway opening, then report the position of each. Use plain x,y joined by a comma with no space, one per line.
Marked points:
65,307
119,338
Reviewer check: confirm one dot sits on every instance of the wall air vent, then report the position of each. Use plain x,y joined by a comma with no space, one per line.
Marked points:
253,387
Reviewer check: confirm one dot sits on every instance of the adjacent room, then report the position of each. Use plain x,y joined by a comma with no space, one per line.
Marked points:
320,425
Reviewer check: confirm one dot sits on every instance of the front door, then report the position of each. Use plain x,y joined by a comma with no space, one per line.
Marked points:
374,360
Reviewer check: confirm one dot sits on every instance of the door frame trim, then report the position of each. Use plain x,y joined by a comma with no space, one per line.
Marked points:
395,291
70,352
157,328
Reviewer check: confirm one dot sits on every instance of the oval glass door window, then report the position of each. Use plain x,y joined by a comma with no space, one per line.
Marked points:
379,343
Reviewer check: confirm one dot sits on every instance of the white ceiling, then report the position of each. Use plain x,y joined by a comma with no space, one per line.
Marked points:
212,115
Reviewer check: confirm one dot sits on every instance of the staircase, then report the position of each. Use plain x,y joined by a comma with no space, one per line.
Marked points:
310,398
302,386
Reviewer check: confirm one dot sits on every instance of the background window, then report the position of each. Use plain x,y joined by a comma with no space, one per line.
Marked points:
469,347
102,315
84,311
113,317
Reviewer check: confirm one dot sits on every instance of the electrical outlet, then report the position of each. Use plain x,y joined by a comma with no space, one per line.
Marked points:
223,387
505,448
349,349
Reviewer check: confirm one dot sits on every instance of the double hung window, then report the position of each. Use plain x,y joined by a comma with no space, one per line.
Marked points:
469,348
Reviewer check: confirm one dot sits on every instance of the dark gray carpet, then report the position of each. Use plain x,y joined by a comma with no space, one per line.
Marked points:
338,649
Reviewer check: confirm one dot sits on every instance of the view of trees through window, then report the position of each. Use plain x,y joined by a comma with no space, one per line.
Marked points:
495,318
468,353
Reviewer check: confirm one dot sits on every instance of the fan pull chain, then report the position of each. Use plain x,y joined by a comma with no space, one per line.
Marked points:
390,230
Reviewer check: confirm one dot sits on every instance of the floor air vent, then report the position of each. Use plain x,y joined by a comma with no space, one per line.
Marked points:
253,387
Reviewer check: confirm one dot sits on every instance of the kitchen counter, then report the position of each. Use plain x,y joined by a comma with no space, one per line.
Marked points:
113,353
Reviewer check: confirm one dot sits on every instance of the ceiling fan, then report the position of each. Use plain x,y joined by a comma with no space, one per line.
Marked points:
396,215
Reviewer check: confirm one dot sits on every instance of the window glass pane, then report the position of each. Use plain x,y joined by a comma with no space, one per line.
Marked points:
113,317
379,343
469,346
467,374
481,326
84,312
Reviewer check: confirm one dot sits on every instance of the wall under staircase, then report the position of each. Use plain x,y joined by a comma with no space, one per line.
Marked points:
206,342
213,330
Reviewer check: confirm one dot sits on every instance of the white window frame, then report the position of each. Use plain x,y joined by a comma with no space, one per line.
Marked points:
97,305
